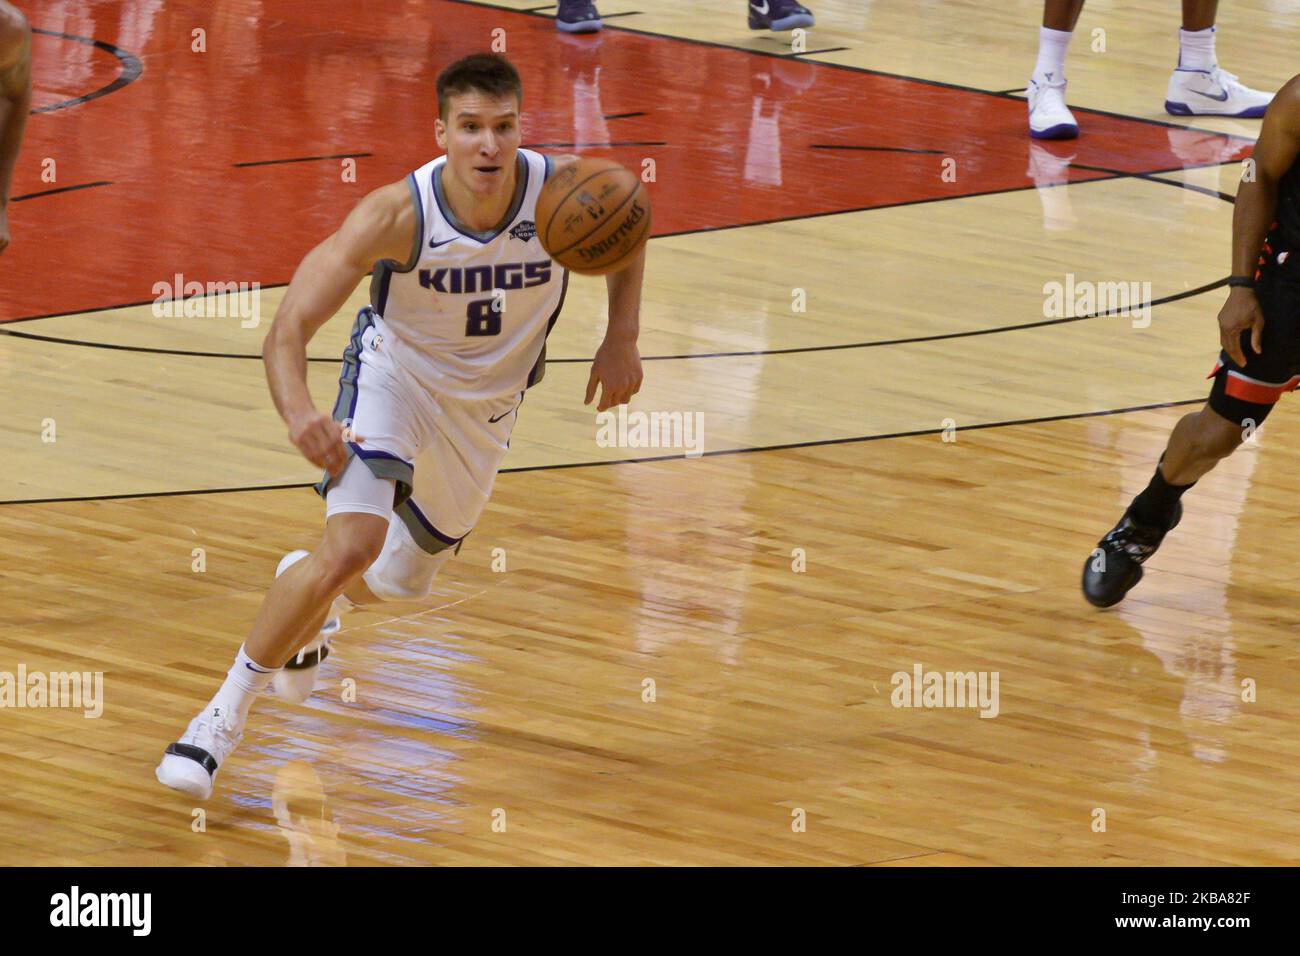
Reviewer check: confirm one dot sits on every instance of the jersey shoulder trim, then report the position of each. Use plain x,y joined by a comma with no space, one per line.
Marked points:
418,247
522,173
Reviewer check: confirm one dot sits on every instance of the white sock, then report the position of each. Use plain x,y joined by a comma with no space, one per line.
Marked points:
246,680
1196,49
1052,45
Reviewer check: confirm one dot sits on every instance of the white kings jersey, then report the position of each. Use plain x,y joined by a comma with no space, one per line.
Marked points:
469,312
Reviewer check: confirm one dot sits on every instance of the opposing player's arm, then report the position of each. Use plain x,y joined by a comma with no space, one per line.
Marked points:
1275,152
382,226
617,365
15,100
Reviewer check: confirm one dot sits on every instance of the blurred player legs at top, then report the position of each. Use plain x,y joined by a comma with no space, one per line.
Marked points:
1197,86
581,16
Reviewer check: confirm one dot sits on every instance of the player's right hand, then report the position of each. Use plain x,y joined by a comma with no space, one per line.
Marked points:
322,440
1239,313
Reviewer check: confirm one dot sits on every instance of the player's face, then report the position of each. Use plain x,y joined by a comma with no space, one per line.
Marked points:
481,136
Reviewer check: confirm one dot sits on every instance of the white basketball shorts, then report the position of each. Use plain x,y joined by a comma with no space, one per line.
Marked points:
442,453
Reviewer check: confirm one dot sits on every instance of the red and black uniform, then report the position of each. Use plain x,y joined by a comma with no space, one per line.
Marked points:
1246,394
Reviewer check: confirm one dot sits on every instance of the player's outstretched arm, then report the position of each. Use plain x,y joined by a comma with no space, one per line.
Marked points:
15,100
382,226
1275,152
617,366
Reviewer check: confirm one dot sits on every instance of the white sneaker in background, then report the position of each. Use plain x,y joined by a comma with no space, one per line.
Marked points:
1049,117
1214,92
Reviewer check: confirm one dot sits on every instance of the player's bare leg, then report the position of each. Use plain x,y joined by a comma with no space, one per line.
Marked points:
1062,14
1198,442
291,615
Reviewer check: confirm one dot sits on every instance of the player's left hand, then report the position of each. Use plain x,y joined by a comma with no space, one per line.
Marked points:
617,369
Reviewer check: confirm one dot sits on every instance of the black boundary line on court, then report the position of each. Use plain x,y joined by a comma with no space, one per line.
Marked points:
129,64
795,349
1154,177
637,461
61,189
877,149
798,349
299,159
830,49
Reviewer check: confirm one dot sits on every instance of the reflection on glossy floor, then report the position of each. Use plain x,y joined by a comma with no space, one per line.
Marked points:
511,719
520,696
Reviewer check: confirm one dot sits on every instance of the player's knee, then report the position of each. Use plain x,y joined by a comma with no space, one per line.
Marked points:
404,573
386,587
345,557
342,565
1216,437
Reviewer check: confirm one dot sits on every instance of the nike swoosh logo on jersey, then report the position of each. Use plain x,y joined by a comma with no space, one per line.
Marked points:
761,11
435,245
1221,97
502,415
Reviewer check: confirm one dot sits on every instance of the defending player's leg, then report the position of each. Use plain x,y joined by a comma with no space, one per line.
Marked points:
1242,397
1199,442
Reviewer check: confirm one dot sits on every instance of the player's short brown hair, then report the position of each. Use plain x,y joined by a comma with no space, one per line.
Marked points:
481,72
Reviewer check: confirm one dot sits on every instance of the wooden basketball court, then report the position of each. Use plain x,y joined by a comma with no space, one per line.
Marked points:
642,656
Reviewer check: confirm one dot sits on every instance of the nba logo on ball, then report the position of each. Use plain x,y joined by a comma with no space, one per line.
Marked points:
593,217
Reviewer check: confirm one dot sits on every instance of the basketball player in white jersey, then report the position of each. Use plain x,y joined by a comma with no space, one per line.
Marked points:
462,298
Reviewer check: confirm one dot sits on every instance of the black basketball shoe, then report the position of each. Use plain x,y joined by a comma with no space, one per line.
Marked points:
778,15
1115,566
577,16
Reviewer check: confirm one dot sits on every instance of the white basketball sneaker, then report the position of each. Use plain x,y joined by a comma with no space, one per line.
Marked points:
1049,117
190,765
297,679
1214,92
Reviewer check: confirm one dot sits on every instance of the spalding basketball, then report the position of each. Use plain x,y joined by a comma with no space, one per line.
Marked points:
593,217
